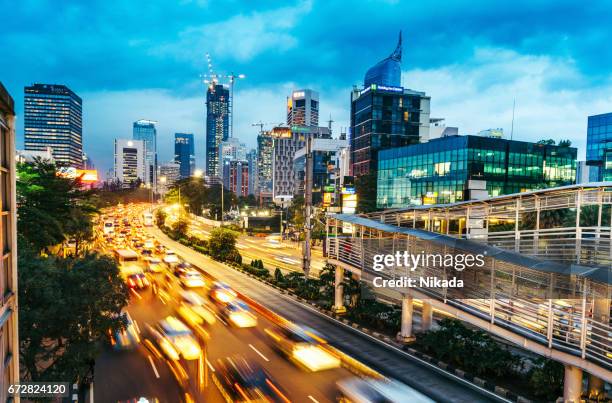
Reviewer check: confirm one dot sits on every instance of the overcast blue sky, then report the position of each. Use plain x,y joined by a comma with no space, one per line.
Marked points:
130,60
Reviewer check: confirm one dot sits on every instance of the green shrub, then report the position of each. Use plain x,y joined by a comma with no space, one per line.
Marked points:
546,378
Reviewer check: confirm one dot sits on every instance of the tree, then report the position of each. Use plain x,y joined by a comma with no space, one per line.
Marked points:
565,143
79,228
160,217
222,244
549,142
296,212
66,308
180,227
546,378
51,207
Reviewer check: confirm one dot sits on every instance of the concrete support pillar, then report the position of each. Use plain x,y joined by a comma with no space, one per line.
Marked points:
427,317
596,388
338,291
572,384
405,334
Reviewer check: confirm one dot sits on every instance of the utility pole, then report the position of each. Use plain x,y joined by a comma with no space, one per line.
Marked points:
308,206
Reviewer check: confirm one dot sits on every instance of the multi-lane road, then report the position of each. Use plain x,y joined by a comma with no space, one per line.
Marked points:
126,375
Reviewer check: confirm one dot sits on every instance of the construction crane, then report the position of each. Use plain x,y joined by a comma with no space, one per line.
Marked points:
262,124
210,78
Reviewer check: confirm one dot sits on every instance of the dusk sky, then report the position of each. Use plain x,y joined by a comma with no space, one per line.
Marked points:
133,60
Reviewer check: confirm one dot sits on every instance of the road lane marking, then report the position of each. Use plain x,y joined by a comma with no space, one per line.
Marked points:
259,353
136,325
153,366
313,399
212,369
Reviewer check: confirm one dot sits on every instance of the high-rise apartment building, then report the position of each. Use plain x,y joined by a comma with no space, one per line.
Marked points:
251,158
287,141
53,118
145,130
184,153
167,175
217,126
265,152
9,337
129,165
233,149
303,108
599,147
385,115
236,177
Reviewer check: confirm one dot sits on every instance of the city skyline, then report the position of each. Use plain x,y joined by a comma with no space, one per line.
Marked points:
554,68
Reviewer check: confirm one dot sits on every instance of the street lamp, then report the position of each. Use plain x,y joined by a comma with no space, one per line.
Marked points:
198,173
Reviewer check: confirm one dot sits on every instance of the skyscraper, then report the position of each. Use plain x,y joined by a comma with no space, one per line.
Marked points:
303,108
217,126
184,153
129,161
385,115
251,158
9,330
167,175
599,147
53,118
236,177
265,150
145,130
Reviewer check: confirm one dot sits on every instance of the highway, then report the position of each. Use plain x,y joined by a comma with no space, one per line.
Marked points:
390,362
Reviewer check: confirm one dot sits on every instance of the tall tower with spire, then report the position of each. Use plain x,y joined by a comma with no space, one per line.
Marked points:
387,72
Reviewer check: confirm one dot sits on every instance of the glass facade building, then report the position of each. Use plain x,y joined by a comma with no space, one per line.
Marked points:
53,118
438,171
184,153
599,147
217,126
387,72
145,130
385,117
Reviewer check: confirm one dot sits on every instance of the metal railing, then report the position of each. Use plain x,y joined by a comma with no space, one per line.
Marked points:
566,312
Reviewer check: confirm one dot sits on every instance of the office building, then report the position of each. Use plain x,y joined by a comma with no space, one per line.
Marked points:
251,158
233,149
303,108
167,175
184,153
326,167
458,168
145,130
438,128
385,117
287,141
265,153
493,133
583,172
236,177
9,330
129,166
53,118
599,147
217,125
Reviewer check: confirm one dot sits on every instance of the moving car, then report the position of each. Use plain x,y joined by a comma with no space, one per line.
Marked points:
368,390
191,279
221,293
182,267
137,281
154,265
238,314
126,338
194,309
175,339
242,381
170,258
303,347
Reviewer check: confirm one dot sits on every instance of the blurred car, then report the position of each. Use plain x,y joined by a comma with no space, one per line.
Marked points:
303,347
141,399
181,267
192,279
160,249
245,381
170,258
221,293
238,314
368,390
175,339
194,309
137,281
154,265
149,244
126,338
